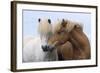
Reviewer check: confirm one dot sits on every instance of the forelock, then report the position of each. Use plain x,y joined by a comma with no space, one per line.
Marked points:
44,26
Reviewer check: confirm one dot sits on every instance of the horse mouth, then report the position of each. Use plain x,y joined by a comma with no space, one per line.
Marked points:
48,48
44,48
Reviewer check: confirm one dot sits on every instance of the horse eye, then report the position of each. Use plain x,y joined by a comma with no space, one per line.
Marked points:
61,32
58,32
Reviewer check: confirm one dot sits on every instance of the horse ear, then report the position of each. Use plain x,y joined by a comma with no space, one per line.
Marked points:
79,27
63,20
49,21
64,23
39,20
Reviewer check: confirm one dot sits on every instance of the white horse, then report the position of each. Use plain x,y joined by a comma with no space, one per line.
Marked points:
37,49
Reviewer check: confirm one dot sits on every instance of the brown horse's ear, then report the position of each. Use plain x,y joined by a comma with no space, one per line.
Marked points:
77,26
64,23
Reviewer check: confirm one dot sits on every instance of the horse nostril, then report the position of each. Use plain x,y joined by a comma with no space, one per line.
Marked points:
47,46
44,48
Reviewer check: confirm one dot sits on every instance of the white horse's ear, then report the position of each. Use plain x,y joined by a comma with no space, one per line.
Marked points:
49,21
39,20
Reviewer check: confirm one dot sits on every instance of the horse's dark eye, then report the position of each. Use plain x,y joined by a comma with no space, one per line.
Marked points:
61,32
58,32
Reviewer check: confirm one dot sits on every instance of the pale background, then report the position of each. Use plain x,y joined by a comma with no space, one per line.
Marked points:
5,37
30,20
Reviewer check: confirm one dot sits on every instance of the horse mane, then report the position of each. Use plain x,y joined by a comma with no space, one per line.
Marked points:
69,25
72,24
44,27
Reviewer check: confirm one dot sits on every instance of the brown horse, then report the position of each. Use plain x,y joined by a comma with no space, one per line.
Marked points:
70,41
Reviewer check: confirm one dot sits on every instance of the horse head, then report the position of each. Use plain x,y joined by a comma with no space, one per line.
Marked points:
45,31
62,30
72,32
60,35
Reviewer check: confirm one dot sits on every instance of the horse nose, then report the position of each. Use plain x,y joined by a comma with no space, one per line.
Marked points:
45,48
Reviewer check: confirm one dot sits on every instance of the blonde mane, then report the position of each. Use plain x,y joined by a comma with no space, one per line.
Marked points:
69,26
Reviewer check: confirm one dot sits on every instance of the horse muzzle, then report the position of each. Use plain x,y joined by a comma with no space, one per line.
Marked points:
47,48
